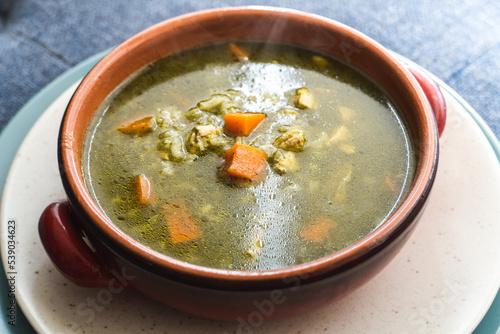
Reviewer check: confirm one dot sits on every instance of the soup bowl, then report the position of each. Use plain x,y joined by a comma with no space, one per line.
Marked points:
91,251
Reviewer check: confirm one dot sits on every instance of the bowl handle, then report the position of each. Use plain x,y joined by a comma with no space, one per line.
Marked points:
433,93
65,243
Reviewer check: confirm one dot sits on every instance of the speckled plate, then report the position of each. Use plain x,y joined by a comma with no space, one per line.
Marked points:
444,280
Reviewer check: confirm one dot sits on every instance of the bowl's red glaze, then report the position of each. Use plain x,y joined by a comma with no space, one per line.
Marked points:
238,295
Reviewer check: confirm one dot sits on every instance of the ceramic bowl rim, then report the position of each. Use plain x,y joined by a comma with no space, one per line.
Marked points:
133,250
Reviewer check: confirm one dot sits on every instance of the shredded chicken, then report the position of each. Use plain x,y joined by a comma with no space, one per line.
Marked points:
293,140
341,133
203,138
284,162
172,145
304,99
217,103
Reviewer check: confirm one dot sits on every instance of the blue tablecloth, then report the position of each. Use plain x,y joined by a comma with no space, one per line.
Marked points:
458,41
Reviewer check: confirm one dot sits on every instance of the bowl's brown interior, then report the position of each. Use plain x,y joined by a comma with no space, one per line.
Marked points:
257,24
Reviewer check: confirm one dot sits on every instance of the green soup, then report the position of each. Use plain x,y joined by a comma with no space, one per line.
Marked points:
330,160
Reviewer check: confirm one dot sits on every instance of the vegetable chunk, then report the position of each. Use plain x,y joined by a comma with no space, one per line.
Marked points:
139,127
214,103
292,140
304,99
245,162
341,193
238,52
320,61
203,138
342,133
284,162
241,124
390,184
317,230
143,189
180,222
172,145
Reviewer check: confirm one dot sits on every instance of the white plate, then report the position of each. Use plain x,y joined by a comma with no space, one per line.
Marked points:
444,279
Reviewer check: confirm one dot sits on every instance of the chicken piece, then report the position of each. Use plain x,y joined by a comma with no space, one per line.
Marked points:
269,149
320,61
346,113
195,114
173,145
293,140
347,148
304,98
341,193
284,162
210,110
168,117
342,133
204,137
215,103
208,130
289,112
167,168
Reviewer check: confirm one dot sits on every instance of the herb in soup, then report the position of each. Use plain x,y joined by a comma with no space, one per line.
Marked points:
248,156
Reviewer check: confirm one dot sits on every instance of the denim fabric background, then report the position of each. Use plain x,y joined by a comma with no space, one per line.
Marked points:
458,41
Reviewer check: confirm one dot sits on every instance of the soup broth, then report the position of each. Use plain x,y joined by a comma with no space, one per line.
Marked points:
248,156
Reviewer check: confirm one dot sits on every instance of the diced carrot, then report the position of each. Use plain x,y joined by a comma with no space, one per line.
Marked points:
139,127
317,230
180,222
143,189
245,162
179,99
238,52
241,123
390,184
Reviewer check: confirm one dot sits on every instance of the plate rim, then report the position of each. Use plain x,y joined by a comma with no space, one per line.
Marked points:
11,138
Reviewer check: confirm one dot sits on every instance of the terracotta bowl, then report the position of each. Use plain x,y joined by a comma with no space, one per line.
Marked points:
91,251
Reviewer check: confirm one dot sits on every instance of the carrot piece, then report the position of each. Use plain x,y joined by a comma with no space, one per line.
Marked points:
180,222
390,184
180,99
139,127
245,162
143,189
241,123
317,230
238,52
